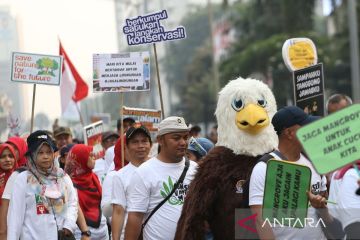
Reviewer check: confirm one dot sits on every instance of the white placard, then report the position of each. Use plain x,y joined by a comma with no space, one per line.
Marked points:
36,68
121,72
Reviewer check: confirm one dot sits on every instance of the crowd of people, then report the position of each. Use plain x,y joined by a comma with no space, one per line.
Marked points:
54,188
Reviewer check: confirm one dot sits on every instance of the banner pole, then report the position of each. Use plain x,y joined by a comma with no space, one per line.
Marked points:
158,78
122,129
32,109
81,119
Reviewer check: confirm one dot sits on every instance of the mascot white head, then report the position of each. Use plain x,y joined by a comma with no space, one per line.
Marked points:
244,112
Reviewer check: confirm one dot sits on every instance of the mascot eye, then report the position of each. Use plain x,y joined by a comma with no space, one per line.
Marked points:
237,105
262,102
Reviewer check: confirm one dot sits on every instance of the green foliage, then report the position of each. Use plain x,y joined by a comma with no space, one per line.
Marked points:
337,68
198,94
265,57
95,75
47,66
263,27
55,66
180,53
188,64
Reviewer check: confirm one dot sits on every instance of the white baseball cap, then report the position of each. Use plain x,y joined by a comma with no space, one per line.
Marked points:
172,124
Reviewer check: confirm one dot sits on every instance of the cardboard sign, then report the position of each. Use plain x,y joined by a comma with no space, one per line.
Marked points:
93,137
148,29
150,118
333,141
285,196
124,72
299,53
36,69
309,90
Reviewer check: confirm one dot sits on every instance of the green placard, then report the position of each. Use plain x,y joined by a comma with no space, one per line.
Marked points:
285,200
333,141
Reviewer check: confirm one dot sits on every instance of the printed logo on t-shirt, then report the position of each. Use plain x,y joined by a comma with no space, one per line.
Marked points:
40,207
178,196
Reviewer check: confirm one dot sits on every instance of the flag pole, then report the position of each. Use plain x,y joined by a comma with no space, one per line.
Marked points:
122,129
158,78
32,109
81,118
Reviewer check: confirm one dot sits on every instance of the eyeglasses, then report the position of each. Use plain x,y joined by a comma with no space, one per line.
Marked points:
197,147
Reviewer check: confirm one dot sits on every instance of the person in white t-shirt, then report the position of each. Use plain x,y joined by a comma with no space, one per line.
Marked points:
108,182
44,201
102,165
286,122
152,182
343,191
137,148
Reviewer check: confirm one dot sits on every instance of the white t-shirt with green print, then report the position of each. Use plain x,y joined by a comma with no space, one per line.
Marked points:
150,184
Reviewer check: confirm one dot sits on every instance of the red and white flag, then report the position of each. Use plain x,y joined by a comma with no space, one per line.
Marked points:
73,88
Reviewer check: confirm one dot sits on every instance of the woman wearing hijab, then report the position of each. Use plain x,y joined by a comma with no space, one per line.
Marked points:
20,147
79,165
44,205
7,166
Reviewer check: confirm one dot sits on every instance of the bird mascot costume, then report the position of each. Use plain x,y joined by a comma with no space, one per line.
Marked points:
221,185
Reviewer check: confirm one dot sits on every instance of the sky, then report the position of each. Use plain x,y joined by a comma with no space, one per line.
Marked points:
84,27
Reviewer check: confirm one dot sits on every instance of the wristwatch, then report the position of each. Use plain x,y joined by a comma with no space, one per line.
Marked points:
86,233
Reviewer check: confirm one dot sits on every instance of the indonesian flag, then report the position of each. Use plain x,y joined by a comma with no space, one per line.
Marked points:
72,88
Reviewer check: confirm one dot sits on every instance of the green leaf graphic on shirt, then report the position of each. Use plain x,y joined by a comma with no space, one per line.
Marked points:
167,190
168,187
163,194
171,183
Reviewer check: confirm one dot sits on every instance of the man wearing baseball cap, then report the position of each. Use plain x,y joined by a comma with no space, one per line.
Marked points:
154,198
286,122
62,136
137,147
109,139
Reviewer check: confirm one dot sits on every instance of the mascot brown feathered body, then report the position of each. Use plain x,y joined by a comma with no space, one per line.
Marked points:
244,111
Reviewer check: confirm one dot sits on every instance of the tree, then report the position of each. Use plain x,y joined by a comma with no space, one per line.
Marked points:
260,38
338,69
188,65
262,27
198,101
45,64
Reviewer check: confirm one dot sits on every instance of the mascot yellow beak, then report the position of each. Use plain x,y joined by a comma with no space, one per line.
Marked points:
252,119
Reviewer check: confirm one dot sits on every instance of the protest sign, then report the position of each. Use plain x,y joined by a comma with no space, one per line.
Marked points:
148,29
150,118
333,141
123,72
285,198
93,137
36,68
309,89
299,53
